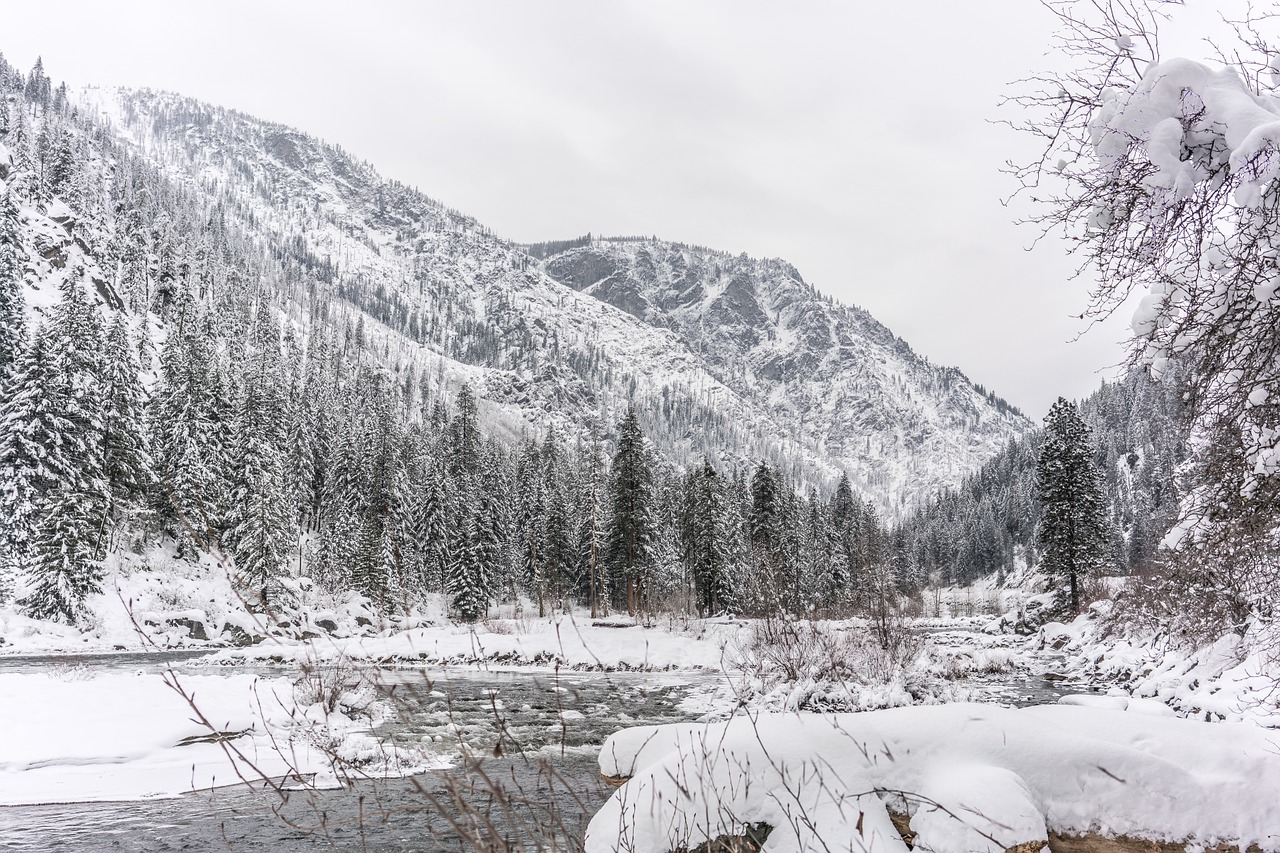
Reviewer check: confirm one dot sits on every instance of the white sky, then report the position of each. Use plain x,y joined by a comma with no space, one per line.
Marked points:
853,139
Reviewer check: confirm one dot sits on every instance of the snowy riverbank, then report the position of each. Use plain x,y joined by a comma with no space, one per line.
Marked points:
967,777
1232,679
74,734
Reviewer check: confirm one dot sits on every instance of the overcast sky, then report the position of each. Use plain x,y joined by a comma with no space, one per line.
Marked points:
853,139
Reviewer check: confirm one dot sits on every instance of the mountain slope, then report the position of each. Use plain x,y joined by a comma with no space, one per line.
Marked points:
846,386
721,354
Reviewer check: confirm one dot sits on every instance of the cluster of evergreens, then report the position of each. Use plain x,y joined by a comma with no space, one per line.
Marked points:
283,458
173,403
1136,437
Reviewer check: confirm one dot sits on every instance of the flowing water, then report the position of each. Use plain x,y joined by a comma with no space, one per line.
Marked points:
525,745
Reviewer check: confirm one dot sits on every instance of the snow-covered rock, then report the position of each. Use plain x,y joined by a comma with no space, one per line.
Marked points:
972,777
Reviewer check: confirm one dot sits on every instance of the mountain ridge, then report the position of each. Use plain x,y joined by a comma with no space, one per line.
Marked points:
759,365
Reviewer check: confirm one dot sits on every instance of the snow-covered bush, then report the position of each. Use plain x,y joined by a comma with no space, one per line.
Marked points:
802,665
335,687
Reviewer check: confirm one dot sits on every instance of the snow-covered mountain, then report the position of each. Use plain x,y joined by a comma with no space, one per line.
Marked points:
722,354
827,377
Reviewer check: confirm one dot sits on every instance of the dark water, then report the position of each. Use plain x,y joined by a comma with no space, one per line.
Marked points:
532,804
525,778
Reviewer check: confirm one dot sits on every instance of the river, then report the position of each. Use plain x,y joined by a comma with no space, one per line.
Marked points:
525,743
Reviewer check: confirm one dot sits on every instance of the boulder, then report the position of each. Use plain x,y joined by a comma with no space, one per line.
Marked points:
237,636
195,628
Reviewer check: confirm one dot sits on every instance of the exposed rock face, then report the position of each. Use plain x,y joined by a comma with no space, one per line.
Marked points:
837,377
195,628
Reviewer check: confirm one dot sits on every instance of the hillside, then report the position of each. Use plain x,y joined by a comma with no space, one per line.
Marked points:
723,355
227,344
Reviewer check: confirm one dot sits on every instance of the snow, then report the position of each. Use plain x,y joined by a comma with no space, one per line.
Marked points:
154,601
967,769
817,420
76,735
1232,678
1199,127
558,642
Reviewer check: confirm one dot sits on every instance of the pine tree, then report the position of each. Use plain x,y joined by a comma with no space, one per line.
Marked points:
466,574
69,536
591,533
39,89
844,523
531,524
820,581
490,540
261,524
31,462
12,314
559,552
1074,529
765,524
340,547
183,443
125,463
631,525
709,557
65,569
431,528
464,435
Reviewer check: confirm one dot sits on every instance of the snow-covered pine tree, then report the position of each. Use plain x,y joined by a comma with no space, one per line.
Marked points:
182,444
559,551
466,574
384,496
65,569
261,523
591,533
531,523
765,524
69,536
125,462
709,563
493,524
431,527
12,316
464,435
819,584
1074,529
32,464
844,524
490,543
631,525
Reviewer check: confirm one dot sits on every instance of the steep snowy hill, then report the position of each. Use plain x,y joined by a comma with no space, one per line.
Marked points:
722,354
843,385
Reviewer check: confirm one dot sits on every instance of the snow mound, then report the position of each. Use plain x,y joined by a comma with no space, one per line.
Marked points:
971,777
